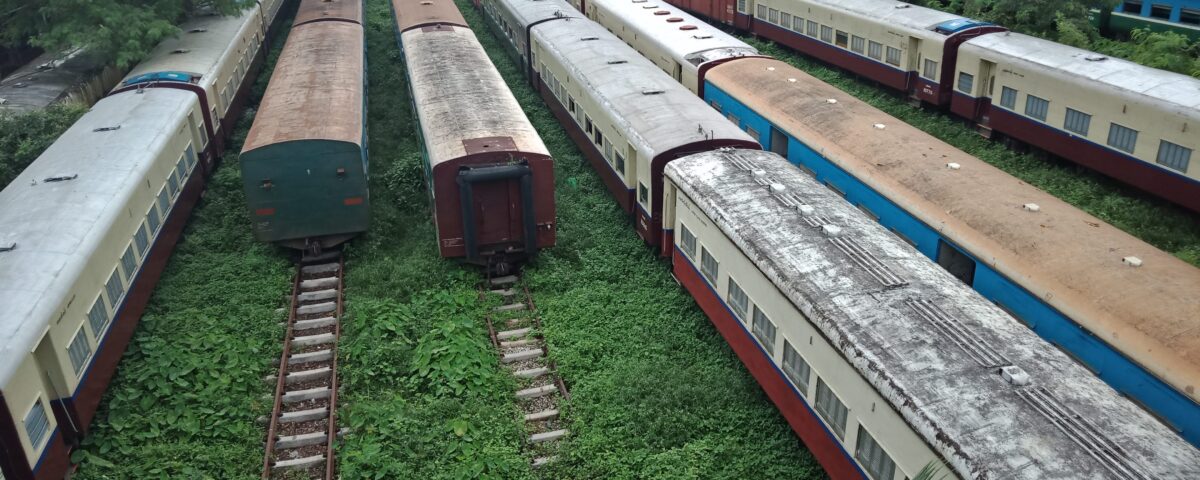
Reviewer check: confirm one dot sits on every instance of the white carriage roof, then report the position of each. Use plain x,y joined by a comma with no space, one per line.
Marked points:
57,226
198,48
462,99
1179,92
891,13
926,342
529,11
704,43
657,112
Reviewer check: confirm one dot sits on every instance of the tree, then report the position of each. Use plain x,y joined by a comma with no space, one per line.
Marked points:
121,31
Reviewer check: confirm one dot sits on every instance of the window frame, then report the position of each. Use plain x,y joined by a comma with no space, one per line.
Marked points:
687,241
99,329
1180,164
1121,134
1031,110
841,38
886,468
965,83
43,439
1009,102
643,194
1077,122
875,50
893,56
737,299
790,353
760,331
929,69
760,12
114,289
826,34
800,20
705,258
831,418
79,364
812,29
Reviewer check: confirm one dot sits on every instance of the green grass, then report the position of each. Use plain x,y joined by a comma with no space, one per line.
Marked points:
1154,221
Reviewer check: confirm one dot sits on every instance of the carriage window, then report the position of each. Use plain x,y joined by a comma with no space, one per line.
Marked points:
762,12
857,43
826,34
956,262
129,263
37,424
643,193
796,368
570,104
1122,138
875,50
599,137
733,119
1160,11
785,19
687,241
715,105
742,6
1036,107
842,39
620,164
141,240
190,153
798,24
708,265
812,28
893,56
114,289
164,202
872,457
831,408
1077,121
1132,6
764,329
80,351
738,301
1174,156
753,133
172,183
587,122
1008,98
931,70
181,168
966,82
773,15
98,318
1189,16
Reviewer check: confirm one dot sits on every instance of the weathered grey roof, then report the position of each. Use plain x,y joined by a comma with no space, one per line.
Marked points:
58,226
1179,93
1066,257
200,52
527,12
890,13
952,396
460,94
687,47
50,78
656,112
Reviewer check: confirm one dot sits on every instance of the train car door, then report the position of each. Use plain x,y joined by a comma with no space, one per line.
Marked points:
498,210
987,73
779,142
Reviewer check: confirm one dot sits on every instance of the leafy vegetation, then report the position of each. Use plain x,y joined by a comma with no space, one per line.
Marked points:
25,136
121,31
1156,222
1066,21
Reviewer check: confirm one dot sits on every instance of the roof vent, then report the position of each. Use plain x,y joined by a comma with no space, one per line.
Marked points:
831,101
674,20
903,5
1132,261
60,178
953,166
697,37
778,188
760,173
806,209
792,80
19,85
661,12
639,1
831,230
880,126
426,3
770,69
690,27
1014,375
106,129
651,91
1095,58
7,246
45,66
586,39
198,30
617,62
648,7
1033,207
179,50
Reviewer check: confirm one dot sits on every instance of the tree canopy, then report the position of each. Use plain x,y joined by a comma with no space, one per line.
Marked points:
122,31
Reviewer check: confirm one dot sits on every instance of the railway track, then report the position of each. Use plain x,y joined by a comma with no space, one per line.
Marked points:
303,423
514,329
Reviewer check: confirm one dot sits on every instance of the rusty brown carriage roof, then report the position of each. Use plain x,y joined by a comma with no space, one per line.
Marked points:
422,13
1071,260
316,90
317,10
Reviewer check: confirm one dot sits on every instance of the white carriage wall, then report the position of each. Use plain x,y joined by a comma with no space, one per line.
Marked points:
900,47
1104,105
866,408
685,74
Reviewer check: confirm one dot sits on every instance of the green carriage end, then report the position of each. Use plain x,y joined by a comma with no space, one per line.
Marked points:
306,189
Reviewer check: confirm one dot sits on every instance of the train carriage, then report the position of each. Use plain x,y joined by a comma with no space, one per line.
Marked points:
625,114
211,57
88,228
304,162
1127,121
1047,263
515,19
489,176
685,50
882,362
